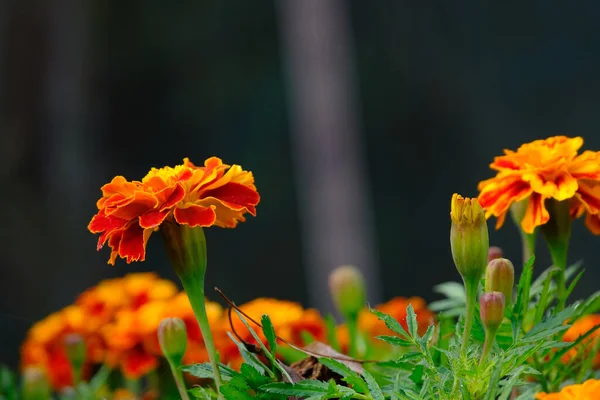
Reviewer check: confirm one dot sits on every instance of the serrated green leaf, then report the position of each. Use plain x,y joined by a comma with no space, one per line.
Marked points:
203,393
521,304
396,341
573,284
411,322
204,371
392,323
235,393
549,326
307,388
269,332
349,376
253,377
374,388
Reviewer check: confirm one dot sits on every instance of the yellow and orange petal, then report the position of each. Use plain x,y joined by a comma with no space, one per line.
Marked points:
544,169
128,212
579,328
589,390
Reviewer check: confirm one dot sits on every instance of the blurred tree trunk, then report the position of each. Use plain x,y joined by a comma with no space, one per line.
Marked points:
333,189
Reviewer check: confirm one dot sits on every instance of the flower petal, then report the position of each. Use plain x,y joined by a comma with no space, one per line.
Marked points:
132,246
195,215
592,221
137,363
550,183
536,213
497,194
153,218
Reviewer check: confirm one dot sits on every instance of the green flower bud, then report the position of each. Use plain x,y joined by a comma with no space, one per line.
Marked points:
500,277
172,337
35,384
347,288
468,238
75,349
491,311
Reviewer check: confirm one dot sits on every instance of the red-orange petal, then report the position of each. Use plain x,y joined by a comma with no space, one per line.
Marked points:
236,195
132,246
153,218
137,363
592,221
536,213
135,206
195,215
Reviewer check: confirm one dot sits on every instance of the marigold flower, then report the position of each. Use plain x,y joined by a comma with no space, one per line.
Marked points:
129,211
589,390
544,169
579,328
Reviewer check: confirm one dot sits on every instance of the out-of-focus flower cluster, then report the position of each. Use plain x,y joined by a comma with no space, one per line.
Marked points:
588,390
579,328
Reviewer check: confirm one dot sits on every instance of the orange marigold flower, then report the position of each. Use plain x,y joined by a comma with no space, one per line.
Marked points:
579,328
589,390
289,320
544,169
128,212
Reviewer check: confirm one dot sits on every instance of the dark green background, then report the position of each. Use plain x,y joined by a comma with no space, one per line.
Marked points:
442,88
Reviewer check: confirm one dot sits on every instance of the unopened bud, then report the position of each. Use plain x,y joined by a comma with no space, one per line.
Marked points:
491,310
347,288
75,349
494,252
35,384
468,238
172,337
500,277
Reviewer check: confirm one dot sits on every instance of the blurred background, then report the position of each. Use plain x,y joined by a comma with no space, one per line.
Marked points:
358,119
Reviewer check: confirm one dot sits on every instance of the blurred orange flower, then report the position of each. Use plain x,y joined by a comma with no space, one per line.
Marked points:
579,328
372,326
540,170
289,320
589,390
128,212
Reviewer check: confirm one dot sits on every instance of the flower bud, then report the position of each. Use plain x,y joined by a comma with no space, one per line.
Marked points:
494,252
491,310
75,349
468,238
35,384
500,277
347,288
172,337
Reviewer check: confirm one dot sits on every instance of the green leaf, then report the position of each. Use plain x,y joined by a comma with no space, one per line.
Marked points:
203,393
267,354
304,389
452,290
250,358
396,341
521,304
269,332
7,384
253,377
549,326
392,323
205,371
411,322
349,376
574,283
374,388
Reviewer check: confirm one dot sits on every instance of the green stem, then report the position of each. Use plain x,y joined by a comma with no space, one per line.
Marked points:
528,244
558,252
490,335
178,376
352,324
194,287
471,287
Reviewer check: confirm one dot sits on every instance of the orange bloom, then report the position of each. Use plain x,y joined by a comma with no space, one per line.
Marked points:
289,320
579,328
589,390
128,212
541,170
396,307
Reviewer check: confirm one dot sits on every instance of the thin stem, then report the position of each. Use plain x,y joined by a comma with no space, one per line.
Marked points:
471,293
528,244
194,287
558,253
490,336
352,324
178,376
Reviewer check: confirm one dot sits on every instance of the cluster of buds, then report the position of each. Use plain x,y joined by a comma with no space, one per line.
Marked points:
473,257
